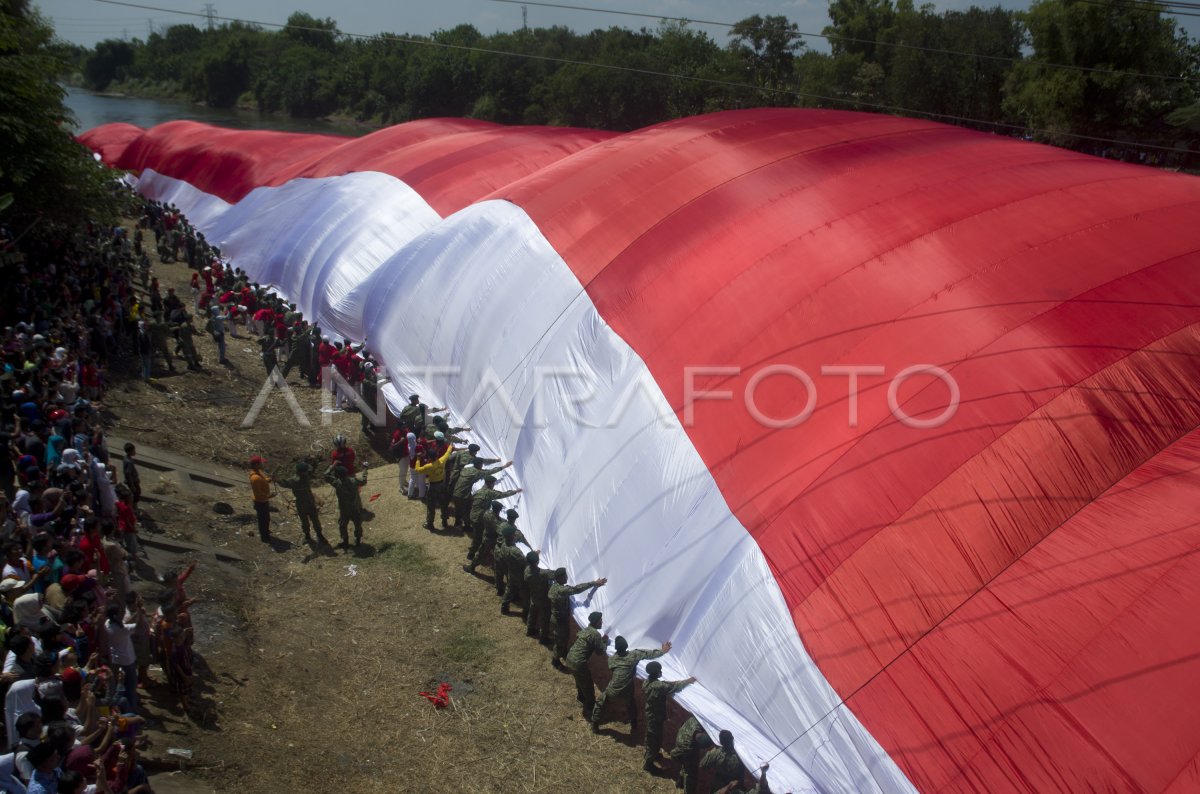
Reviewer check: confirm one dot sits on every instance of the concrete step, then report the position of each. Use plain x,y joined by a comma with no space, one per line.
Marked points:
184,547
191,475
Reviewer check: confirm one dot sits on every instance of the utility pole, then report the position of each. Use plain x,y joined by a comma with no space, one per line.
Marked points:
210,12
524,18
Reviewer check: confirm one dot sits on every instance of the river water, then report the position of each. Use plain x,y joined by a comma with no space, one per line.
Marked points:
92,110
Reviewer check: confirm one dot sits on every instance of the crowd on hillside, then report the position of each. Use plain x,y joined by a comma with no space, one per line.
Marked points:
80,639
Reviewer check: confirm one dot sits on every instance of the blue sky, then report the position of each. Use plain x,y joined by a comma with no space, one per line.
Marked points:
87,21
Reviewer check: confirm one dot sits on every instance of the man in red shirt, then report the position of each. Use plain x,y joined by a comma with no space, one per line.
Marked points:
343,454
325,354
264,319
92,547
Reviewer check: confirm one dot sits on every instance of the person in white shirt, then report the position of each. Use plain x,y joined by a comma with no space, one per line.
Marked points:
120,648
18,660
18,701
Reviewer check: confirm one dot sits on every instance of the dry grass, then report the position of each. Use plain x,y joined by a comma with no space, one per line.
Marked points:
317,688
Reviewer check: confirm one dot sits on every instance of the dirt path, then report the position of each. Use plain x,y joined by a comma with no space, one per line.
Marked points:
313,663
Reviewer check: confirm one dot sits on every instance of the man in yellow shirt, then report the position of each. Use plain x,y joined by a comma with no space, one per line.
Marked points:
435,476
260,490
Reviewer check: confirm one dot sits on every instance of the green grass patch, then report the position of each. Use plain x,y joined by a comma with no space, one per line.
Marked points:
465,645
406,557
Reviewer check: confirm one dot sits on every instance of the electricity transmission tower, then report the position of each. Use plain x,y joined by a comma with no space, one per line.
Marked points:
210,12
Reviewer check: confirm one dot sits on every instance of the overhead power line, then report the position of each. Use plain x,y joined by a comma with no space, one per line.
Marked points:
1147,5
896,45
654,73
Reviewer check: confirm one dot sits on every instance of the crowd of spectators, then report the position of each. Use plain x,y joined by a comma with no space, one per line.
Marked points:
78,639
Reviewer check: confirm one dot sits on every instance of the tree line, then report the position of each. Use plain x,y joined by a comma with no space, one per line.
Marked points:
1062,70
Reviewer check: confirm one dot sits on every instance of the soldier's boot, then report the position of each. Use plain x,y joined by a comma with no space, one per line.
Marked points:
357,538
503,607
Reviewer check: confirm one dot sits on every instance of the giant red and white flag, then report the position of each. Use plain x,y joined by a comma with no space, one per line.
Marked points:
890,426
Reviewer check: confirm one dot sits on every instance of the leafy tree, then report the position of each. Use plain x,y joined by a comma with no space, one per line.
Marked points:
107,62
947,82
858,25
768,47
1116,39
44,172
439,81
688,53
226,69
167,56
308,31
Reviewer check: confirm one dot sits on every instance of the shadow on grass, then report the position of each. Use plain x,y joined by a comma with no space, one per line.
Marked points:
399,555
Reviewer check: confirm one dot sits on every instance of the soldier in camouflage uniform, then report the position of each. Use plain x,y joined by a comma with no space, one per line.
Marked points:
349,501
460,457
537,589
481,500
623,667
724,762
587,642
301,354
414,416
691,743
158,332
463,480
300,484
656,693
266,344
509,567
464,457
483,538
187,342
438,424
560,611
